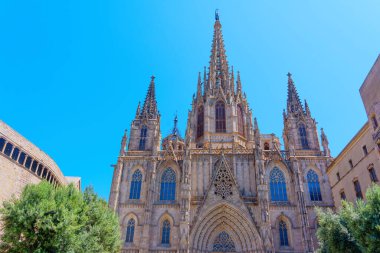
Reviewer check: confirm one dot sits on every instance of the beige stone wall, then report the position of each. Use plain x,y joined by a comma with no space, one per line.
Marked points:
13,178
361,162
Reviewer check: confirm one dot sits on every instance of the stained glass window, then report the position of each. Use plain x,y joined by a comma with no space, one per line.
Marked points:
278,185
314,188
135,189
303,136
283,234
143,134
165,232
130,230
200,122
224,243
168,184
220,117
240,120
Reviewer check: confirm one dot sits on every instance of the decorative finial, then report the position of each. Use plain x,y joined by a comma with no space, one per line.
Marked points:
152,77
216,14
289,74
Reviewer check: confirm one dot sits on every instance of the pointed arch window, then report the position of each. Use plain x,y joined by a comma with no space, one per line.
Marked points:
220,117
277,185
165,236
168,184
200,122
224,243
130,231
303,136
314,187
283,230
143,134
240,120
135,189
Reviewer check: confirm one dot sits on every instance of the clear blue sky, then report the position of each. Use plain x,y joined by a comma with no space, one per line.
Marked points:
72,72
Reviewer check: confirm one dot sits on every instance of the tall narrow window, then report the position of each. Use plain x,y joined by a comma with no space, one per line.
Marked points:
8,149
358,189
143,134
338,176
28,162
200,122
365,150
15,153
283,230
220,117
130,231
165,237
34,166
2,143
168,184
240,120
351,163
21,158
224,243
342,195
278,185
314,187
266,146
303,136
372,174
374,122
135,190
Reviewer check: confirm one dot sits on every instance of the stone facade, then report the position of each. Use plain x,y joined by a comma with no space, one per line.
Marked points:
358,165
22,163
225,187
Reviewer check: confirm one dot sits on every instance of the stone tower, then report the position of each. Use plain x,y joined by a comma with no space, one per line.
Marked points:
225,186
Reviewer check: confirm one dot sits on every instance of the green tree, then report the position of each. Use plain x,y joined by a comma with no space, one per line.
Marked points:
354,228
46,219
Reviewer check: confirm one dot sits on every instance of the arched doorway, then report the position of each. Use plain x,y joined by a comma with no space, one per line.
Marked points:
224,228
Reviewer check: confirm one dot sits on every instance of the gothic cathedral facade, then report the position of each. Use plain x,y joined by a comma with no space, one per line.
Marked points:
224,187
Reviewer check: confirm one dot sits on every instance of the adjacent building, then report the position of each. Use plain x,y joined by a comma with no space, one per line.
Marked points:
22,163
224,186
358,165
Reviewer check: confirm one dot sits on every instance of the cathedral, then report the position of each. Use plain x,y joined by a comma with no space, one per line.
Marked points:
224,186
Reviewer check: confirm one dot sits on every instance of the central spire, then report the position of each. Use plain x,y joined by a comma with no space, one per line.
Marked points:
218,72
150,104
294,103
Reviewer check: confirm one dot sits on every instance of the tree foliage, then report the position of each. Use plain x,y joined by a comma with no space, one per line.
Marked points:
354,228
46,219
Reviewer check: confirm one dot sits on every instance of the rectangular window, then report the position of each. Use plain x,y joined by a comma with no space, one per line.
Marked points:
2,143
338,176
365,151
39,171
351,164
358,190
28,162
34,166
372,175
8,149
21,158
44,173
15,153
342,195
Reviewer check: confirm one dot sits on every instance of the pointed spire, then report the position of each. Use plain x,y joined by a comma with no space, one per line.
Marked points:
293,103
232,80
150,104
238,83
199,86
325,143
256,131
175,131
218,72
307,110
123,144
138,111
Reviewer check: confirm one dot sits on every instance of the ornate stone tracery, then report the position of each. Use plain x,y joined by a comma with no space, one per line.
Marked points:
223,182
224,243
